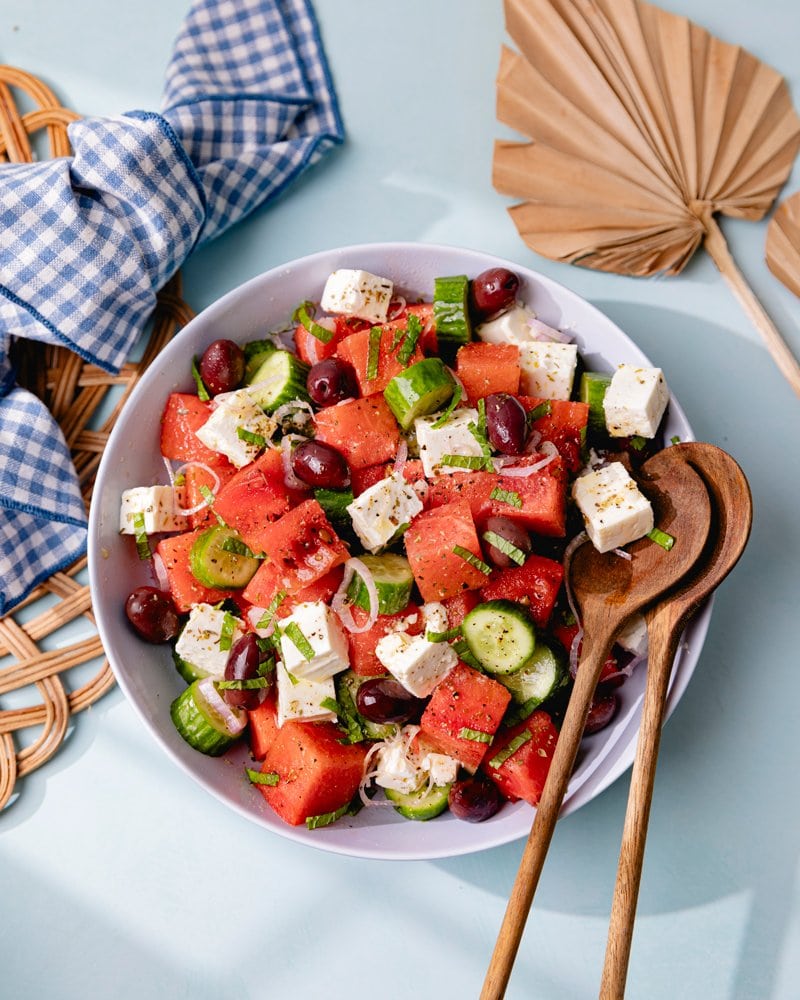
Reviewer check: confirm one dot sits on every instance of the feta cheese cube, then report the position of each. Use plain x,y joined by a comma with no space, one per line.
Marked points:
357,293
635,401
156,504
452,438
234,412
395,768
442,768
299,698
633,637
511,327
381,509
547,369
324,634
419,665
198,643
614,510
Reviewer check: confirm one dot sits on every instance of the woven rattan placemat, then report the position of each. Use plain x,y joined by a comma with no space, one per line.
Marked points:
33,124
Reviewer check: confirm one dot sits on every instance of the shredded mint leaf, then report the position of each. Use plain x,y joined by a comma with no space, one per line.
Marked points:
139,533
374,352
295,633
519,740
543,409
238,547
271,610
455,399
202,392
413,331
661,538
330,705
475,735
464,461
472,559
465,654
304,314
246,684
507,548
226,632
451,633
506,496
262,777
325,819
258,440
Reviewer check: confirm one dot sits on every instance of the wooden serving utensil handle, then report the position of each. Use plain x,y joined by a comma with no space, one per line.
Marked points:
664,626
533,856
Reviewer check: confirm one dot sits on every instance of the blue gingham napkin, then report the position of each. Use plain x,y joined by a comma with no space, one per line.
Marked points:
86,242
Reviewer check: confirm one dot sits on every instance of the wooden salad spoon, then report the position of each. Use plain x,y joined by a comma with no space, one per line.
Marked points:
607,589
732,516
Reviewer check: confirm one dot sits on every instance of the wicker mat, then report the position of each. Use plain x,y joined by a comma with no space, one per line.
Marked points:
30,118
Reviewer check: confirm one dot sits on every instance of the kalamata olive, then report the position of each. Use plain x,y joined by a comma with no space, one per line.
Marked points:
474,799
493,291
602,711
512,532
383,699
152,614
319,464
506,423
244,659
222,366
330,381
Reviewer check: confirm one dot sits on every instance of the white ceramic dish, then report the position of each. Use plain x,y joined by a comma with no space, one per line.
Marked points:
146,673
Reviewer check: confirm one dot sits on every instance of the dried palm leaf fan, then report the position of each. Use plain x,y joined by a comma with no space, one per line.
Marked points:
643,126
783,243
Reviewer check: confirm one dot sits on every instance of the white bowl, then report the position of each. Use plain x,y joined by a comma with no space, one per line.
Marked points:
146,673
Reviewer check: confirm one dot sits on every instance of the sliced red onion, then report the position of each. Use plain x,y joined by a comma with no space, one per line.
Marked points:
216,483
396,307
576,543
340,604
170,473
520,471
160,571
541,331
401,457
289,478
533,443
233,719
294,406
622,554
254,616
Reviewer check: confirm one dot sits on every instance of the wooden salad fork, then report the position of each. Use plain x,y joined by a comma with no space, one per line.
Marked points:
608,590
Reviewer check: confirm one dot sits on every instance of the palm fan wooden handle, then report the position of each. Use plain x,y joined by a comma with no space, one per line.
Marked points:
642,127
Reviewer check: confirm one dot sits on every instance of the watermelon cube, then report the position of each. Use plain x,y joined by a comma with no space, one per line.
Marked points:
520,757
487,368
363,430
536,584
464,713
317,774
436,544
186,590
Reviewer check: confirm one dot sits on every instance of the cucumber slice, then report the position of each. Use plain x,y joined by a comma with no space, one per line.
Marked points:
205,720
393,581
592,390
451,311
335,504
256,353
188,671
278,380
501,635
425,803
214,565
421,389
544,673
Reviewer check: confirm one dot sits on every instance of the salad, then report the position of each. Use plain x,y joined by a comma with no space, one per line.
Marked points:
359,551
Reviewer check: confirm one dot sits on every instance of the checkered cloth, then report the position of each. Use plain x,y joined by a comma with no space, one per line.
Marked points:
86,242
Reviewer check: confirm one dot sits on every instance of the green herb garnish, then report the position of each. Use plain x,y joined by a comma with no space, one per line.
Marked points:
304,314
295,633
271,610
325,819
504,546
226,632
455,399
413,331
258,440
202,392
263,777
139,533
519,740
375,335
472,559
506,496
661,538
330,705
451,633
543,409
475,735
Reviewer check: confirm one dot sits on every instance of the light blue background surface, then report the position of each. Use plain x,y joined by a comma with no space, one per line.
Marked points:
120,878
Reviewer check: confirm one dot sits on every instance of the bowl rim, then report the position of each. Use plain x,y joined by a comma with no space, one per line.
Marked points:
588,790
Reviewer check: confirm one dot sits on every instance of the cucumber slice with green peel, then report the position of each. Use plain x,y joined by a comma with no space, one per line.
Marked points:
544,673
501,635
215,561
393,582
278,380
205,720
451,311
423,804
335,504
256,353
592,390
421,389
188,671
